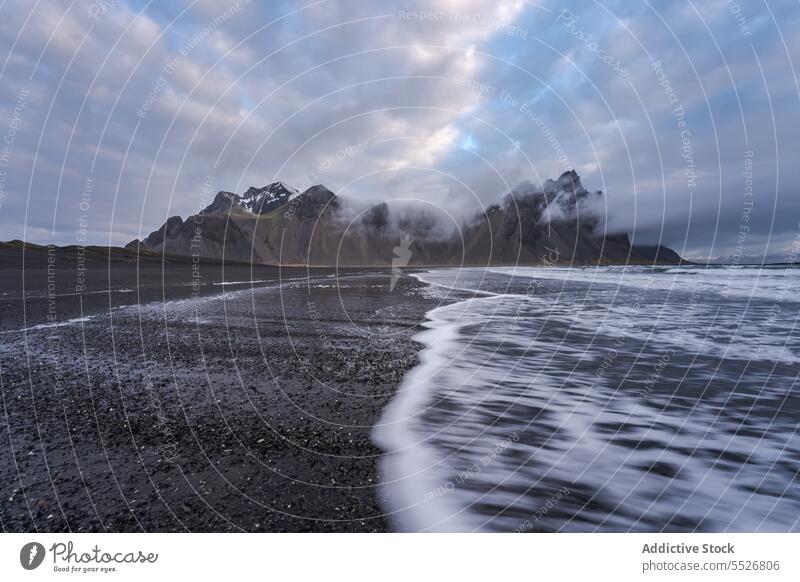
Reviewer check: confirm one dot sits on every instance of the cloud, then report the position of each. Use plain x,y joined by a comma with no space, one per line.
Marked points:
453,103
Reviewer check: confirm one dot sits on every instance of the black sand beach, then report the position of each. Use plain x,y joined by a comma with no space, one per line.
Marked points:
167,407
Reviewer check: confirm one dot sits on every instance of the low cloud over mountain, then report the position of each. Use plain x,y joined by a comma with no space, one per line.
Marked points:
558,223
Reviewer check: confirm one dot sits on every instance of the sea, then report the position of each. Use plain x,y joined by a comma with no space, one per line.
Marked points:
600,399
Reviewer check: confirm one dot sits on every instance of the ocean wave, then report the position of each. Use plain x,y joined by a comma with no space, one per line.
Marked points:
566,406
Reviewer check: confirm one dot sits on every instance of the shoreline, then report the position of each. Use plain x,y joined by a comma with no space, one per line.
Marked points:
412,459
247,409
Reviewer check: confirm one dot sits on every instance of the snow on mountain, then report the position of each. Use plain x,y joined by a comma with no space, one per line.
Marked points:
255,200
268,198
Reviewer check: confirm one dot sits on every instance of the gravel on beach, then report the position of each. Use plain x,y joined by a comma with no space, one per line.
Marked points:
237,407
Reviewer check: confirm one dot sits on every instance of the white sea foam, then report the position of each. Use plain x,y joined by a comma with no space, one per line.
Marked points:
73,321
253,282
743,282
655,403
410,469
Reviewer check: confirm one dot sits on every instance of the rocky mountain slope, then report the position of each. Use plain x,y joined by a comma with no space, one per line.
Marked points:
557,223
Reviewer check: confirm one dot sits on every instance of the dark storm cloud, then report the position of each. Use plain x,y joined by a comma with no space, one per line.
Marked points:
679,111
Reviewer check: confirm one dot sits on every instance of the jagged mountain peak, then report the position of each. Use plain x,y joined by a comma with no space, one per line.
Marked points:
273,188
320,192
267,198
254,200
169,229
314,201
273,196
223,202
569,184
554,199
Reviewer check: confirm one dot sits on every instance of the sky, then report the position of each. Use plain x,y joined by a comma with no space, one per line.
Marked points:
116,114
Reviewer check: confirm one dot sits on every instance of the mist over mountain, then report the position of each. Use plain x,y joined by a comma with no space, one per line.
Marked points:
557,223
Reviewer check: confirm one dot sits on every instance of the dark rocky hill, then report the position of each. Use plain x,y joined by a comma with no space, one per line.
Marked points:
555,223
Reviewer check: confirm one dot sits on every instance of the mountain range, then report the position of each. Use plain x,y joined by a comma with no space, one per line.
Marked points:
556,223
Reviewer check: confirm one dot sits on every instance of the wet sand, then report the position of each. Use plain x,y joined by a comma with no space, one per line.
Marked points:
163,407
